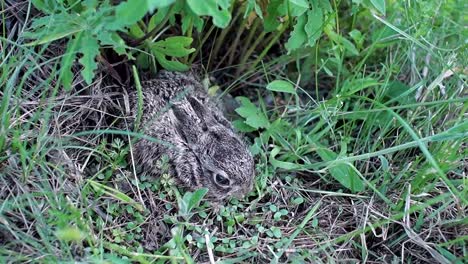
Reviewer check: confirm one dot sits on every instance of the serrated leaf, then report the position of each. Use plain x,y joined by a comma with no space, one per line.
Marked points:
298,36
115,41
169,65
45,7
281,86
218,10
66,74
379,5
253,116
313,27
53,27
173,46
89,49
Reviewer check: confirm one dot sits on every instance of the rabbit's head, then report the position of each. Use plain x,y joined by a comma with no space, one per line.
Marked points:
225,164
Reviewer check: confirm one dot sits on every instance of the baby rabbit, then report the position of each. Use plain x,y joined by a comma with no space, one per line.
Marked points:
203,149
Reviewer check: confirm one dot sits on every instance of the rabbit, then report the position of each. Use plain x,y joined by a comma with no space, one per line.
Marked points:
202,147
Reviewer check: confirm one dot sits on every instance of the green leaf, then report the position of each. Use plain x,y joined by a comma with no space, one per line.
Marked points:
89,49
45,7
217,9
298,36
346,44
353,86
54,27
379,5
191,200
115,41
70,234
153,4
128,13
174,46
253,116
342,172
298,7
274,10
281,86
281,164
241,126
170,65
157,18
276,231
313,27
301,3
115,193
66,74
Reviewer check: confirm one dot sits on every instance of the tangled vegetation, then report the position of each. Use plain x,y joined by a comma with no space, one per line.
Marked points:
355,112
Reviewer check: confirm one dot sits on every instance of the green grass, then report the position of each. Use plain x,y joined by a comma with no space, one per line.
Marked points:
361,153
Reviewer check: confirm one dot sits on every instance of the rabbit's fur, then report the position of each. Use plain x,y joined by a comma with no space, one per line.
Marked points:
202,147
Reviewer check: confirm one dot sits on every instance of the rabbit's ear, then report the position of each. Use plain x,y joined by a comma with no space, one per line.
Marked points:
199,108
188,123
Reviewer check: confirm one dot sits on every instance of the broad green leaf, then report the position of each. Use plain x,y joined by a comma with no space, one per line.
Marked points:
313,27
275,9
89,49
157,18
135,31
253,116
301,3
191,200
379,5
128,13
115,41
281,86
214,8
346,44
298,7
173,46
399,92
257,121
153,4
168,64
342,172
298,36
353,86
281,164
241,126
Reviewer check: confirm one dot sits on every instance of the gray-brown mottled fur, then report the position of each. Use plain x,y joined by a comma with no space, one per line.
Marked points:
200,142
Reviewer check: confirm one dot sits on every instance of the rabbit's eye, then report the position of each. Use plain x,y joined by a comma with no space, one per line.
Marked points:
221,180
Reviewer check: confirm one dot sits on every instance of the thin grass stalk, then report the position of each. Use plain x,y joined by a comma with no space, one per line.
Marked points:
272,41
